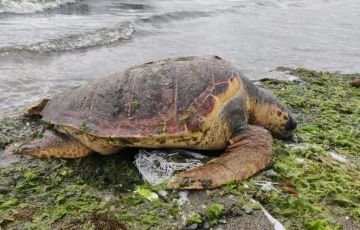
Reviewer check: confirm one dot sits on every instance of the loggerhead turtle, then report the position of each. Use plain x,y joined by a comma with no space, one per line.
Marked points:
190,102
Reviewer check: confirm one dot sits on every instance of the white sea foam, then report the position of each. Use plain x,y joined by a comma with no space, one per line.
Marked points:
30,6
123,30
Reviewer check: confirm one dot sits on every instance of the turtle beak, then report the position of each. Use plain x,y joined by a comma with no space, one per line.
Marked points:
290,124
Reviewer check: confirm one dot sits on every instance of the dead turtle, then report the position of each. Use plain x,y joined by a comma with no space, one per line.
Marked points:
191,102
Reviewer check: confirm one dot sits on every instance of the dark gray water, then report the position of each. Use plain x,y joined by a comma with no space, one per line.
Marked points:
46,46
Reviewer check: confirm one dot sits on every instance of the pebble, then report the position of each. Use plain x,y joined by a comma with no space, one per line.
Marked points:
219,228
270,173
235,211
162,193
226,212
222,221
206,225
163,211
6,130
192,227
248,211
300,160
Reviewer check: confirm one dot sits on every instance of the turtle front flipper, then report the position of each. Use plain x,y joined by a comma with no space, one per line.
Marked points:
247,154
52,144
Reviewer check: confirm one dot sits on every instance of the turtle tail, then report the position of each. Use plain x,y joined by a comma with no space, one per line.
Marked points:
36,109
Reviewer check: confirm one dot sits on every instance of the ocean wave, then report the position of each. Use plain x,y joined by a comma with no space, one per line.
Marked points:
123,30
31,6
176,16
133,6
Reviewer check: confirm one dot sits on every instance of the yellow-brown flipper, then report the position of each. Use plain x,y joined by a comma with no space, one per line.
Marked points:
52,144
36,109
246,155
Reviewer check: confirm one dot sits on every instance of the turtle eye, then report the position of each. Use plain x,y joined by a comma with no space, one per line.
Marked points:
290,124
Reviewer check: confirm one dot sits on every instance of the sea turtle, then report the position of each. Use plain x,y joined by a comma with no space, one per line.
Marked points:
200,103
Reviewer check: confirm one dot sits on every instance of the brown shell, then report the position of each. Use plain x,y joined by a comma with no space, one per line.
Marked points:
167,97
356,83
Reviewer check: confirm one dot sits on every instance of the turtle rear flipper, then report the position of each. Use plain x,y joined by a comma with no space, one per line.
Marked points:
246,155
36,109
52,144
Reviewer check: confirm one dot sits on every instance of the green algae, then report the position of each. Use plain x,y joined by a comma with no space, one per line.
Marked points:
69,189
317,190
147,193
192,67
150,220
160,130
214,212
9,203
135,105
31,176
196,218
183,119
320,225
84,127
181,59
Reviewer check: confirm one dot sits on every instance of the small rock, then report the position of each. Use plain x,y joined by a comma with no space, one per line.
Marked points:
219,228
163,211
249,211
226,212
270,173
222,221
235,211
6,130
192,227
300,160
206,225
162,193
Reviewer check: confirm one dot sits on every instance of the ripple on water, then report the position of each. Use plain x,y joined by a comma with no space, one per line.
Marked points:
45,52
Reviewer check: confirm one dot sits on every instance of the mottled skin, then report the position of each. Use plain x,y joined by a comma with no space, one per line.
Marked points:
192,102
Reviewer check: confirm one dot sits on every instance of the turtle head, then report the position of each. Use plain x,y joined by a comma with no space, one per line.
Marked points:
280,122
267,111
